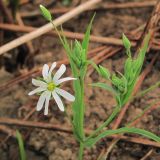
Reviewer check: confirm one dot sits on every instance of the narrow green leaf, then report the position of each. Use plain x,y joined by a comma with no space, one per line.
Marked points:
94,65
104,72
141,56
144,92
90,142
116,80
46,13
105,86
21,145
145,45
126,42
85,41
145,110
65,43
77,49
106,123
128,68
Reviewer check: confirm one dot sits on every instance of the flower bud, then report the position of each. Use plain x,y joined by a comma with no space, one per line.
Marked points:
104,72
126,42
45,12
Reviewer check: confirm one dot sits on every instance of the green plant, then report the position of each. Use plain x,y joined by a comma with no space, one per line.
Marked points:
121,87
21,145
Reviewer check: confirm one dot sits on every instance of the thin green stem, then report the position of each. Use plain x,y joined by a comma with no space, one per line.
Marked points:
81,149
142,113
82,108
57,31
107,122
142,93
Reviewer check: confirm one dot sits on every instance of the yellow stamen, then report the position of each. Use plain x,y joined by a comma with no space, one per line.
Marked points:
51,86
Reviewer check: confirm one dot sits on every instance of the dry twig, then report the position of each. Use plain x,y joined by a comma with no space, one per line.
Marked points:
147,155
80,36
48,27
105,6
68,130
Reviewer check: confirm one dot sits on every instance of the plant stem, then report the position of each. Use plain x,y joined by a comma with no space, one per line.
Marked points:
81,148
107,122
82,108
142,93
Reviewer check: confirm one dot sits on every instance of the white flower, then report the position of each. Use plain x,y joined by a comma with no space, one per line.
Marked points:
48,87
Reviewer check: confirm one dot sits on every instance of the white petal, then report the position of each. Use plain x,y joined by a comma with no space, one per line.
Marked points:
64,79
48,96
65,94
49,79
41,101
60,72
45,71
37,90
58,101
38,83
52,67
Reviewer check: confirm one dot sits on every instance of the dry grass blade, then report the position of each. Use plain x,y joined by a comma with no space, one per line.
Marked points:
104,6
147,155
68,130
48,27
73,35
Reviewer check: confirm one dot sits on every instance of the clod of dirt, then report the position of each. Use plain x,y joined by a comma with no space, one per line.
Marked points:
60,154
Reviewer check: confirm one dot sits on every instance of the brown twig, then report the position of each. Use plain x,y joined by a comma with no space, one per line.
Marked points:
147,155
7,130
6,11
72,35
1,33
21,24
68,130
128,5
48,27
153,107
150,26
80,36
11,132
32,124
23,2
10,19
36,71
104,6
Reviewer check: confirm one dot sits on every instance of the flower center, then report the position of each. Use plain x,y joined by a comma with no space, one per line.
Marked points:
51,86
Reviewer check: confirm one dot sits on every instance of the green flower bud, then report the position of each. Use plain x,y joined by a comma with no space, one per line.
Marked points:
45,12
116,80
128,67
126,42
104,72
